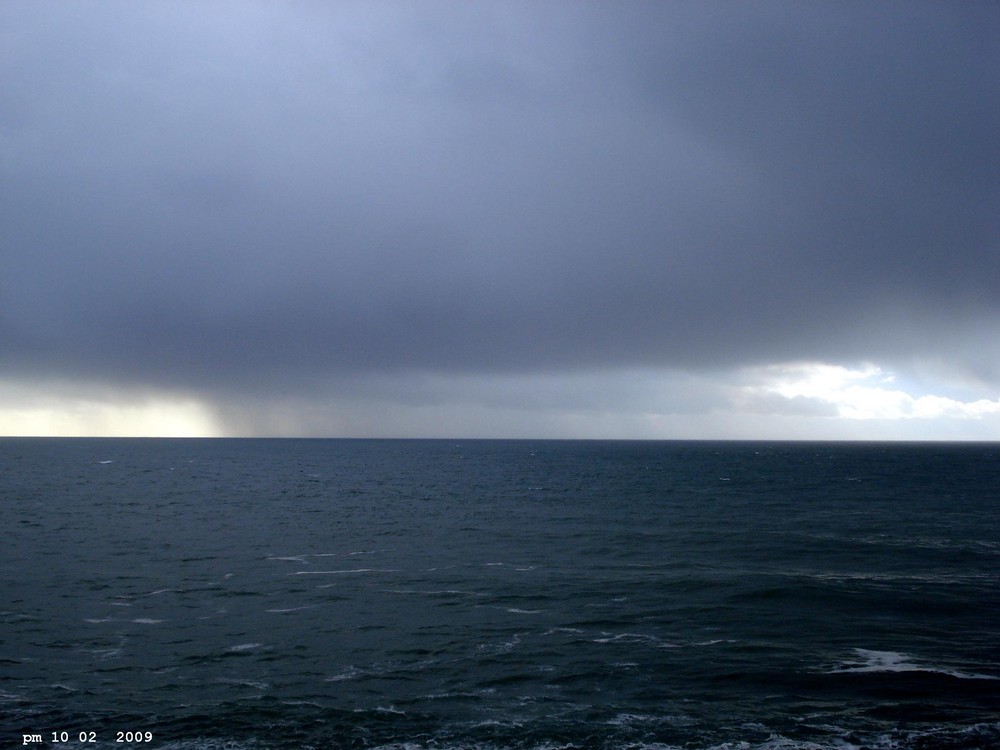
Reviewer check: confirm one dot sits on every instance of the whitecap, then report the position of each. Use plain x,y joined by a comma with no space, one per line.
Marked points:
346,554
342,572
631,719
634,638
871,661
211,743
240,647
434,592
498,723
714,642
105,653
501,647
348,674
146,621
783,743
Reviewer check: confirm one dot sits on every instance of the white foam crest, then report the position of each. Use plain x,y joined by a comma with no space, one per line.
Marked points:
782,743
241,647
630,719
510,724
290,609
385,710
346,554
515,566
348,674
107,653
434,592
342,677
501,647
213,743
343,572
512,610
634,638
310,704
871,661
146,621
892,741
242,683
983,734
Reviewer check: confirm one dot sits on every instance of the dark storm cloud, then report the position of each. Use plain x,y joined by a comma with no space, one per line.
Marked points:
262,196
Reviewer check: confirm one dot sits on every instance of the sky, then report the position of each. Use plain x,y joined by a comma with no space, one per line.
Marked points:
555,219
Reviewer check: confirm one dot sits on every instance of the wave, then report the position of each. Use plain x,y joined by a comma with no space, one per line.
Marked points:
242,647
643,638
870,661
342,572
509,734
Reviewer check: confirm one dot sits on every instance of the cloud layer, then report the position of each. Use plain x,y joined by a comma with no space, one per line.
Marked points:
245,201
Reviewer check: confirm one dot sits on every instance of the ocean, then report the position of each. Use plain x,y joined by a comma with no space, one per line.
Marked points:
463,594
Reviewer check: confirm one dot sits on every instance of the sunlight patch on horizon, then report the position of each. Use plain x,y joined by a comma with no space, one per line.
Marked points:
25,412
864,393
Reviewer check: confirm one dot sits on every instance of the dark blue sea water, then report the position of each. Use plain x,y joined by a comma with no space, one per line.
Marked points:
255,594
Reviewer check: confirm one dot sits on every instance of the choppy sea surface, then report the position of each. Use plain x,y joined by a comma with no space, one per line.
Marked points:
255,594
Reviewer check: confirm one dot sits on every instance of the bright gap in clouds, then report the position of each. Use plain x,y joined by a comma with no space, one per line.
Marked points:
804,401
864,393
71,411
